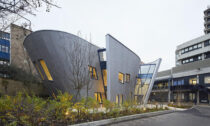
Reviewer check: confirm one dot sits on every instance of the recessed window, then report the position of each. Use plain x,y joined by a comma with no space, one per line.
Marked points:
117,99
191,96
207,43
199,45
191,59
127,78
199,57
207,79
6,50
193,81
186,49
182,51
182,96
195,46
104,71
92,72
121,77
46,70
190,48
40,73
3,48
160,85
98,97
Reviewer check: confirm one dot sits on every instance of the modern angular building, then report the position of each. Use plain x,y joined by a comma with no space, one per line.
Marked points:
71,64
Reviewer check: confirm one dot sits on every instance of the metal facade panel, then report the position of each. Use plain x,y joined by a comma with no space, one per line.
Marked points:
50,46
120,59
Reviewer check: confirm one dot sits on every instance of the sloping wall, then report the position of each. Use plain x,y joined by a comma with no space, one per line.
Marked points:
120,59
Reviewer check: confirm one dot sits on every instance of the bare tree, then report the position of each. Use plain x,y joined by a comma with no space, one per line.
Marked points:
79,55
13,10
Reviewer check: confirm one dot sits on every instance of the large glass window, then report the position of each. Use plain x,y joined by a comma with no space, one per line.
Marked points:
127,78
193,81
46,70
92,72
178,82
207,79
121,77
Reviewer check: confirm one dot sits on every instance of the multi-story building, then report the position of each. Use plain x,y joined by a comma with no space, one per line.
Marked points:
4,52
71,64
189,80
4,48
207,20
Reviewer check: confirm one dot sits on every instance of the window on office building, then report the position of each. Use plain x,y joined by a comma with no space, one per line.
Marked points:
193,81
92,72
195,46
199,45
46,70
3,48
206,43
121,77
199,57
191,96
0,48
7,50
175,96
182,94
207,79
190,48
127,78
186,49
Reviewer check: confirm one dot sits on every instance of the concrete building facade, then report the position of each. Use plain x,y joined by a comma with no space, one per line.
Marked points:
189,81
19,56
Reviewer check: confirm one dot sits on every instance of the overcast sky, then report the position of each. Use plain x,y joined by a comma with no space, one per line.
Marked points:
151,28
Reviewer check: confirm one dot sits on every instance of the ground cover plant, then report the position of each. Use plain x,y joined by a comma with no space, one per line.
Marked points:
30,110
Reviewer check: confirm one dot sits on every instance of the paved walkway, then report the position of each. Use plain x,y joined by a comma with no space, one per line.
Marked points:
197,116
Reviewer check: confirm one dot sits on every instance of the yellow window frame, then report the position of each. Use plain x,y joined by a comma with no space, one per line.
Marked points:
40,73
46,70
